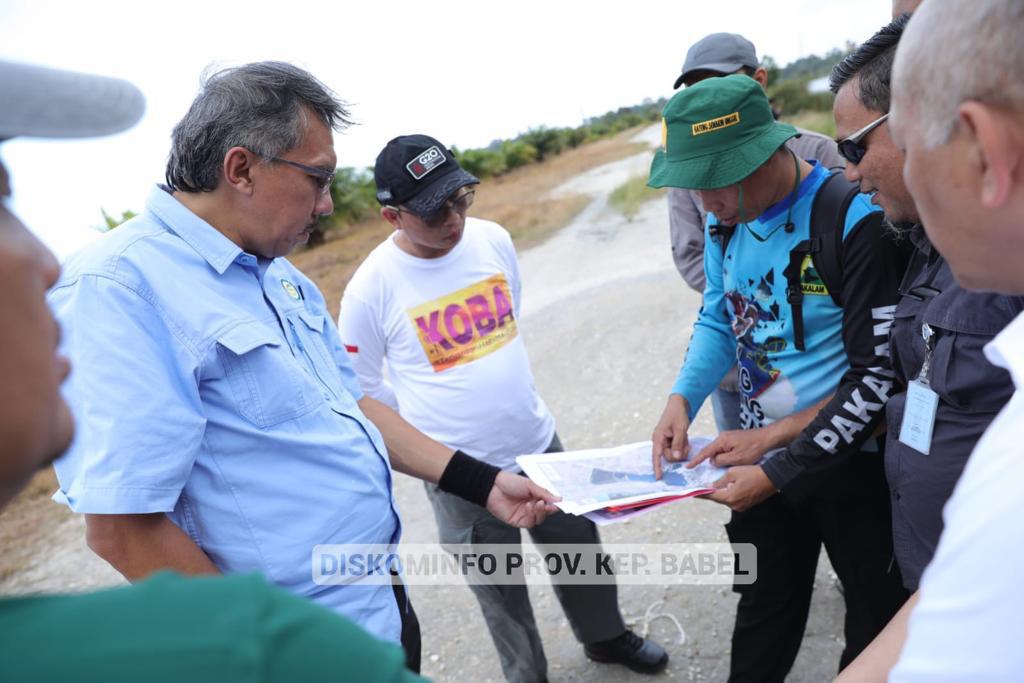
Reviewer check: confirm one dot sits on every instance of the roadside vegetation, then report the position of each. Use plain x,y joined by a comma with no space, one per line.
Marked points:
630,195
819,121
354,193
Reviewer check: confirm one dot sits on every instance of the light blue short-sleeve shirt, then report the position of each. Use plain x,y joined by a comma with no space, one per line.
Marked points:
211,385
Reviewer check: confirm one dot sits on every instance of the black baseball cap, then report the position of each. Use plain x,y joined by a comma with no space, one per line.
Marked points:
419,172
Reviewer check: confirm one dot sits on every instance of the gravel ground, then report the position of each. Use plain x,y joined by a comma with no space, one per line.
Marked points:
606,319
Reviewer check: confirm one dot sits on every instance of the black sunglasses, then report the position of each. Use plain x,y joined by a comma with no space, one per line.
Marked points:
852,148
437,218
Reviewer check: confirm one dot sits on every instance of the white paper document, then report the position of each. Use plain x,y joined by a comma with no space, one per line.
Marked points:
590,481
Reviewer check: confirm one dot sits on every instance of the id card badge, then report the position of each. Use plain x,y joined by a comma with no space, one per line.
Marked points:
919,416
922,404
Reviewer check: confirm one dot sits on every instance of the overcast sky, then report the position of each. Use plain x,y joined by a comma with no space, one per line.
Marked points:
464,72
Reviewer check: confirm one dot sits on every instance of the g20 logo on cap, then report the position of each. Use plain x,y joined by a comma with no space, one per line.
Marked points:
426,162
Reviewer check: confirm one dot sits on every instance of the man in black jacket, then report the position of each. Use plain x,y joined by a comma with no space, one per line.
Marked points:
939,328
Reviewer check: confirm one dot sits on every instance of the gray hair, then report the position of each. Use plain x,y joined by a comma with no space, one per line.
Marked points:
872,62
263,107
955,51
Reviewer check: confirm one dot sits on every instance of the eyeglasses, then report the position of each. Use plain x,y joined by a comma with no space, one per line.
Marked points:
851,148
321,176
459,205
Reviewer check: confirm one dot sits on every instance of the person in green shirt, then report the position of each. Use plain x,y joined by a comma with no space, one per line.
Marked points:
172,628
167,628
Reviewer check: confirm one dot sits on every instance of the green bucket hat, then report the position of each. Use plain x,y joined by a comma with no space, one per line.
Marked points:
715,133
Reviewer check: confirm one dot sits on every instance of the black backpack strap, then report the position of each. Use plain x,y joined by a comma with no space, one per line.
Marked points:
722,233
824,246
828,223
794,293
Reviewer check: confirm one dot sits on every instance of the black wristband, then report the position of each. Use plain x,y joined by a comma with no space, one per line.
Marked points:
468,478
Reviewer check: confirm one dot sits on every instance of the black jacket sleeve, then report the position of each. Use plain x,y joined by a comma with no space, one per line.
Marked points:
874,260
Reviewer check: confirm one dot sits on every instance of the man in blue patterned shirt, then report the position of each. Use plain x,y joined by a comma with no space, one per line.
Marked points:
812,349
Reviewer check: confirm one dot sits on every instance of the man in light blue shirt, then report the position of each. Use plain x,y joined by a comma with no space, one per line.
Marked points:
221,425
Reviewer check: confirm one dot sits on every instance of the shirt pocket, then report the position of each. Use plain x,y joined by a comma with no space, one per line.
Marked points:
314,334
267,385
906,345
960,373
310,329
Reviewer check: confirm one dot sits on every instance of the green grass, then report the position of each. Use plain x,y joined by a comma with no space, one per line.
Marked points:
627,197
818,121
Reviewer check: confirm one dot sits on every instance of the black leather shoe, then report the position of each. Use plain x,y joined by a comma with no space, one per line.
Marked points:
639,654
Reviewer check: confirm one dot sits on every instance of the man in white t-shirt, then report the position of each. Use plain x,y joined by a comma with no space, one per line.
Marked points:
439,300
964,139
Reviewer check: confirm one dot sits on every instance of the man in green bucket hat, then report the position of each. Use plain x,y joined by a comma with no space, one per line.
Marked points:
713,153
802,280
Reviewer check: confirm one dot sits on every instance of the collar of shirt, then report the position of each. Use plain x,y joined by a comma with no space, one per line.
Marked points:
807,184
919,239
206,240
764,226
1005,350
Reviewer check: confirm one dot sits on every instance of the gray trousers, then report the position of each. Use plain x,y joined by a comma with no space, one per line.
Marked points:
592,611
726,406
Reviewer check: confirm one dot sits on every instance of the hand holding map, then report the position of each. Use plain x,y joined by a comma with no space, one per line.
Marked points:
611,484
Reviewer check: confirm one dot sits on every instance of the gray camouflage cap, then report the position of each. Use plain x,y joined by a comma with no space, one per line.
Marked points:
724,53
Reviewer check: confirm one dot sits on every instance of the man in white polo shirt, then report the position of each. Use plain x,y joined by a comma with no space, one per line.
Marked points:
439,299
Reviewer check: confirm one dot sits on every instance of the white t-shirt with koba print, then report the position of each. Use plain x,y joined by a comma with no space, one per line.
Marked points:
448,329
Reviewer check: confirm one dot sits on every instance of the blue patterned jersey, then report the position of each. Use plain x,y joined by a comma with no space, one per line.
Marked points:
747,320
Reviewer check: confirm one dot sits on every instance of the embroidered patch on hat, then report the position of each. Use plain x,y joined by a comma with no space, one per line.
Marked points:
716,124
426,162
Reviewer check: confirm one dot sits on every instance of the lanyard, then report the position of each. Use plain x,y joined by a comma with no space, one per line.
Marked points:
788,225
928,334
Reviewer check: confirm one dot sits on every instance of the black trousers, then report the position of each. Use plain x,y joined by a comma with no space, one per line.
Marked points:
411,642
850,515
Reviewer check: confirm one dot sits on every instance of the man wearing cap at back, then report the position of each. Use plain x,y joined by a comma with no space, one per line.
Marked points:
168,628
439,299
801,283
721,54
